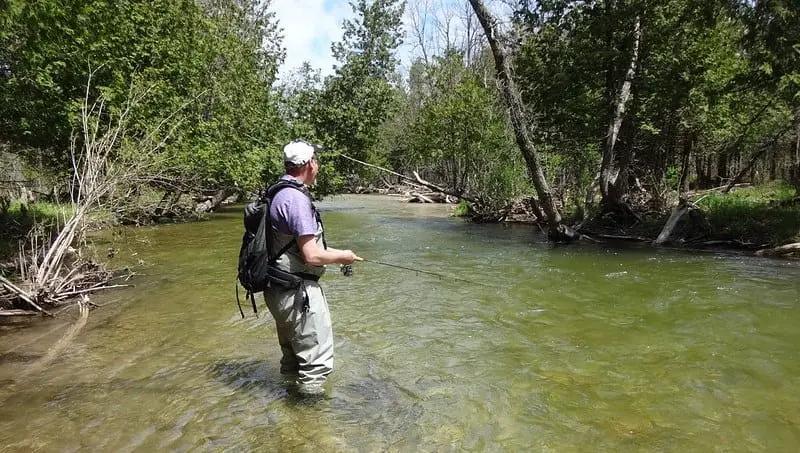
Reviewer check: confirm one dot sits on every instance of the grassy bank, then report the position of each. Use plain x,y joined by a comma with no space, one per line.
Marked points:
750,217
762,215
17,219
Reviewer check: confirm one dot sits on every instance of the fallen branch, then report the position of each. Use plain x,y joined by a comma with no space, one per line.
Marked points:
782,250
420,198
418,180
682,208
585,237
716,189
18,313
722,242
623,237
89,290
22,294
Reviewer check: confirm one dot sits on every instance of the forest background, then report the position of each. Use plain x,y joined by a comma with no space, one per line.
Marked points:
634,107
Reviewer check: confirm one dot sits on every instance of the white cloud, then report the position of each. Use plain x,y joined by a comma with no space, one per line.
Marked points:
309,28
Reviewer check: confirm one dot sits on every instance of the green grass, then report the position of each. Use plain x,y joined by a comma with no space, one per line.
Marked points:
462,209
759,215
17,219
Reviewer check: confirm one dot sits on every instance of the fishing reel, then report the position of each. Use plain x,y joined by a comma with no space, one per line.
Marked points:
347,270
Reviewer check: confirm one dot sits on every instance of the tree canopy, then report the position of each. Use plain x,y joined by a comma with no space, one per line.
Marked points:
632,96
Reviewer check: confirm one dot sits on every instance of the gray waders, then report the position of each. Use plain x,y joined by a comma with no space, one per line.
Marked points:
305,336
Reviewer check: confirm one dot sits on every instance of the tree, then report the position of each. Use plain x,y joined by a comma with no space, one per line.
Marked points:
206,66
557,230
359,97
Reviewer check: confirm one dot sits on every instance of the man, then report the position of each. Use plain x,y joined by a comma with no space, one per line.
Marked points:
304,330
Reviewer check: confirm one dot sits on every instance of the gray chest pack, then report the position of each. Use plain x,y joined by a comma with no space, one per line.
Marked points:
257,267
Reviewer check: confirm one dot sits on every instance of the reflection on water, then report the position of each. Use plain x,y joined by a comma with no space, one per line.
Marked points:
577,348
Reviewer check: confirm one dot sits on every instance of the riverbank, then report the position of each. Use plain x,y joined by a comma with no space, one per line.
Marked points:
763,220
757,219
588,344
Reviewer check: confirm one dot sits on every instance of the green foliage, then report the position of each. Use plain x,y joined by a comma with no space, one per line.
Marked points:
762,215
298,93
459,133
18,218
207,68
359,97
672,177
462,209
715,74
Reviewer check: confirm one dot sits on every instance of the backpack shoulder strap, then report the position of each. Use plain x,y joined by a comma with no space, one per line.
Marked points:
281,184
269,194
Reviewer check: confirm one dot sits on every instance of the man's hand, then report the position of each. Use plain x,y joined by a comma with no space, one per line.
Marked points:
349,257
317,256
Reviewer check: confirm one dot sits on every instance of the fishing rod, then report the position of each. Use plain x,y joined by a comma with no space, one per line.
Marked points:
347,270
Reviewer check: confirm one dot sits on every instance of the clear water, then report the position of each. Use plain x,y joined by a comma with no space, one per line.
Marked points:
584,348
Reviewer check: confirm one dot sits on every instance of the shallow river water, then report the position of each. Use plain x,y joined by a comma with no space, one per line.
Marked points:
581,348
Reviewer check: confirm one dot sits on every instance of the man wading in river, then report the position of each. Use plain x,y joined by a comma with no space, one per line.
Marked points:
303,323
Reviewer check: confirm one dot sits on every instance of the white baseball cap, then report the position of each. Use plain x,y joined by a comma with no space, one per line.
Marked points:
298,152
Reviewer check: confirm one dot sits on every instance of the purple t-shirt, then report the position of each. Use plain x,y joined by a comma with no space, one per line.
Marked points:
291,212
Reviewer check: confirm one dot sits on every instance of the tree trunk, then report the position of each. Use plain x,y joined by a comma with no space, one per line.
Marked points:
214,202
782,250
511,96
703,171
627,134
677,212
688,143
607,172
797,151
722,168
773,167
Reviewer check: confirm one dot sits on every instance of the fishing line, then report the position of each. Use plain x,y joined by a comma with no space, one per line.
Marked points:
347,270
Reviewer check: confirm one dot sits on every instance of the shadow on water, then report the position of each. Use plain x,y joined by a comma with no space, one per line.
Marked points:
367,397
15,357
257,378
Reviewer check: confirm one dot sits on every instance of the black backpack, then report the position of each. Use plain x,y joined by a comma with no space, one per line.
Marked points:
257,270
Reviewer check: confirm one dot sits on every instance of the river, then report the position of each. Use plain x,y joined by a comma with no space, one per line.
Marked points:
580,348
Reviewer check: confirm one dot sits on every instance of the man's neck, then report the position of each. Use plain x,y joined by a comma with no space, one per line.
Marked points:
298,178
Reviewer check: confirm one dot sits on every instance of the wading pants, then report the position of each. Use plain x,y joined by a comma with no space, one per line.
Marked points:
306,339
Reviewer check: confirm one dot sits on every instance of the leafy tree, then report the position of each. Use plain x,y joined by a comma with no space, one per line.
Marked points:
207,68
460,136
359,97
694,95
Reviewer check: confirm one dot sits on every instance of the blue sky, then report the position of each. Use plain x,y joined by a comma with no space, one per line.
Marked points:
310,26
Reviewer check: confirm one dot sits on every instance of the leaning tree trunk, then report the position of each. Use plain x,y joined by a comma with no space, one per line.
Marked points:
557,230
215,200
607,172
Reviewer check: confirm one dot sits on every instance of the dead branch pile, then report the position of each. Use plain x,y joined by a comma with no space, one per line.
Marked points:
518,210
431,197
53,271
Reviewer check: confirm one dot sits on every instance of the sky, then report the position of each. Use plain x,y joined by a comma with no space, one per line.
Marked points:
310,26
